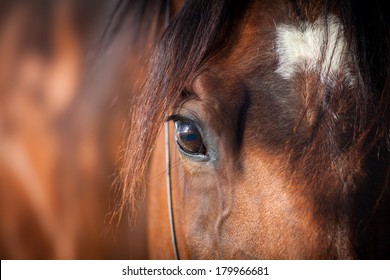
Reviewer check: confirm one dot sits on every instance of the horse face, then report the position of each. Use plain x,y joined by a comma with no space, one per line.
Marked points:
240,197
281,127
237,200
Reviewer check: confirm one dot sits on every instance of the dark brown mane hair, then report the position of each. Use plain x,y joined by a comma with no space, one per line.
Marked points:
203,28
195,34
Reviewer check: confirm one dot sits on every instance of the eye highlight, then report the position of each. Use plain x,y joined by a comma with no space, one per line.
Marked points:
189,139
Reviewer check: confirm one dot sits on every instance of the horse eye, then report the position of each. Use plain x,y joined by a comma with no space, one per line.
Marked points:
189,138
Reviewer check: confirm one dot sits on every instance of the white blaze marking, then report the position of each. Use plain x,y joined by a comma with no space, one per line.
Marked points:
318,46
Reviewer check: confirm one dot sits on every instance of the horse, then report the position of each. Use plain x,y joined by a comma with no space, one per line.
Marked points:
277,132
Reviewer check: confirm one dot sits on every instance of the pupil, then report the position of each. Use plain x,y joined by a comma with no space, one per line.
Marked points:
189,137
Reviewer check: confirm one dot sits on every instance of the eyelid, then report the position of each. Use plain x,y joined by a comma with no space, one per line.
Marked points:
178,117
174,117
192,119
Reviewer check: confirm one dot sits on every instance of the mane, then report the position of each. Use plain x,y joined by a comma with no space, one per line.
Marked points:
204,28
194,35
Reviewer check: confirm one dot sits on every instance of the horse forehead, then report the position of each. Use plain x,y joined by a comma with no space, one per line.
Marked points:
317,46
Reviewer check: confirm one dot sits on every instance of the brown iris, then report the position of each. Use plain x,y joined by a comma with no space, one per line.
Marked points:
189,138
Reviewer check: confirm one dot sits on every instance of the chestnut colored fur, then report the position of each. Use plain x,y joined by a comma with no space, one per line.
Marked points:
302,167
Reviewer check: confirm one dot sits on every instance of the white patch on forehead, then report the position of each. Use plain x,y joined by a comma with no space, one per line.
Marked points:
318,46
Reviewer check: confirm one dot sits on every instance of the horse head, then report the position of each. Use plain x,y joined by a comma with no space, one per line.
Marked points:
279,131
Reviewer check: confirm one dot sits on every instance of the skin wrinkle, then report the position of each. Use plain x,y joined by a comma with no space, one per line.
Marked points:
220,211
225,190
199,224
226,195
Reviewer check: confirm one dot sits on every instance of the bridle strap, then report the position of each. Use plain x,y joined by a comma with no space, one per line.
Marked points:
168,162
169,191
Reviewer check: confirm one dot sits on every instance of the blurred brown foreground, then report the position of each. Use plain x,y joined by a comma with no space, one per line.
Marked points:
64,101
